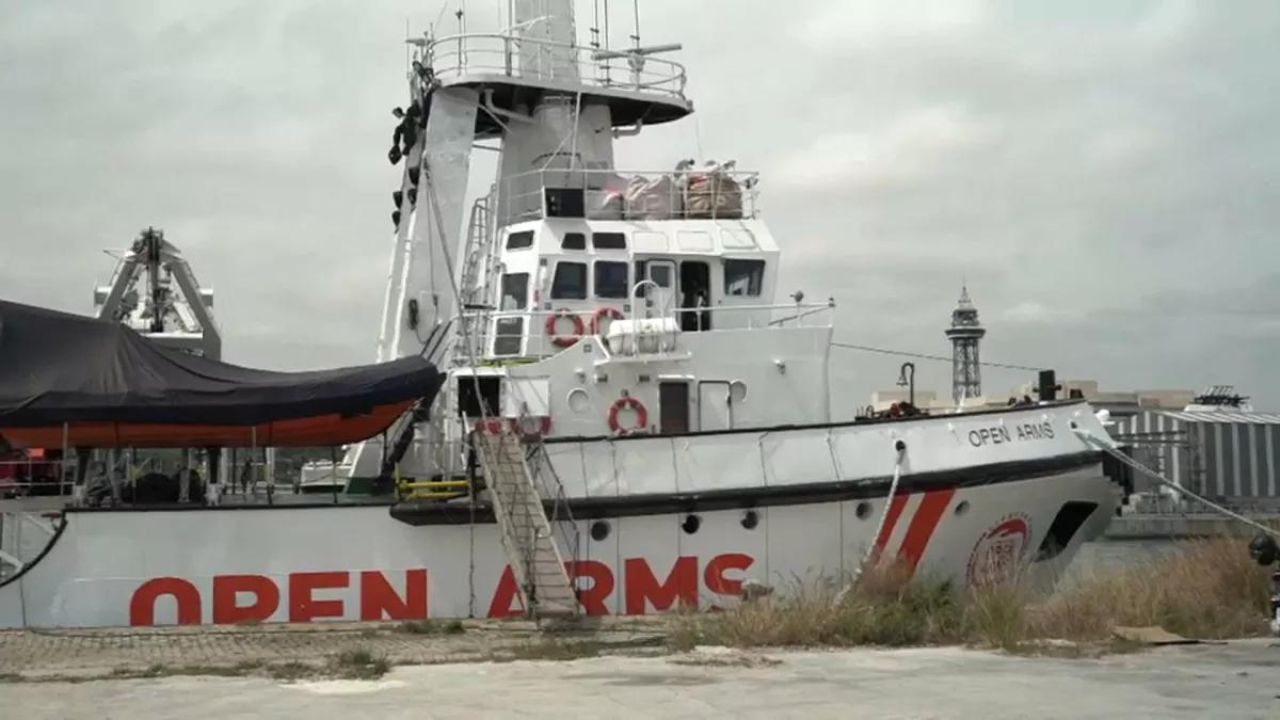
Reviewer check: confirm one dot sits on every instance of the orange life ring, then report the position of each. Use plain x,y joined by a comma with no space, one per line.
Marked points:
601,314
564,341
623,403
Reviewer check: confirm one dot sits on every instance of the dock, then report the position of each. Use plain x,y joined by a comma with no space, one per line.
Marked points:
1182,526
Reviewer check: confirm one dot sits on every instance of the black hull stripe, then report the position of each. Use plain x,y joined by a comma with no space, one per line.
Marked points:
427,513
589,508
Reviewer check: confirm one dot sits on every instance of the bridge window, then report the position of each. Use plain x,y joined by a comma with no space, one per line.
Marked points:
515,291
574,241
520,240
743,278
570,281
611,279
609,241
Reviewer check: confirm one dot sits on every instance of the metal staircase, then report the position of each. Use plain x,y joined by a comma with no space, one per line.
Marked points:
527,535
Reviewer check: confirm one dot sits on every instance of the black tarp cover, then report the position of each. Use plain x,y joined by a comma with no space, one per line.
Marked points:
60,368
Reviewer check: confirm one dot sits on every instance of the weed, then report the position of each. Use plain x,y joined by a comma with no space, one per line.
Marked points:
358,664
551,649
419,627
290,670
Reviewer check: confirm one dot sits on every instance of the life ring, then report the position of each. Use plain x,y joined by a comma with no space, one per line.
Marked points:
564,341
601,314
626,402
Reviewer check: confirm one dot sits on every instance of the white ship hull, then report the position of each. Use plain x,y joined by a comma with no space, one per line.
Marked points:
970,509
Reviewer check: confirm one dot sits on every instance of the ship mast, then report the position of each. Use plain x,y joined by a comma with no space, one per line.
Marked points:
552,105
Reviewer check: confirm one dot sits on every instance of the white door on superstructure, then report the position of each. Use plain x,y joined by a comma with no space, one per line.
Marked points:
661,301
715,406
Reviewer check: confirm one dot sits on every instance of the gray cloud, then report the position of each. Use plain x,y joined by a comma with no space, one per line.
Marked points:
1104,174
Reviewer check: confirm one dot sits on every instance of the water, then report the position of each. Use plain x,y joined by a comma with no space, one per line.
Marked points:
1102,556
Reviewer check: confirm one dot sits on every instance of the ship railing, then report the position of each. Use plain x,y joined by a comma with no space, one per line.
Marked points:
711,192
517,334
35,476
472,54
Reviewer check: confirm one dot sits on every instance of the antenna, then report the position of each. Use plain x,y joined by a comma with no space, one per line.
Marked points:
636,37
595,25
635,57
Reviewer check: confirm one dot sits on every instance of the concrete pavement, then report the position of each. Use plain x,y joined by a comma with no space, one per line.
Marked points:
1236,680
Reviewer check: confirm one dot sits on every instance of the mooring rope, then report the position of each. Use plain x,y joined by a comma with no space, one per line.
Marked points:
901,449
1110,449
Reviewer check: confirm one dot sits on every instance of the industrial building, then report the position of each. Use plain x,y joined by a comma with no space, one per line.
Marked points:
1222,451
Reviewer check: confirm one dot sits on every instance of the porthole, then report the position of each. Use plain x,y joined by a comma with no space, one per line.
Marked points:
863,510
599,530
962,507
750,519
737,391
691,524
579,401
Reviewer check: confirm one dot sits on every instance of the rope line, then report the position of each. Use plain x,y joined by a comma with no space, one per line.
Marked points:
926,356
884,516
1092,439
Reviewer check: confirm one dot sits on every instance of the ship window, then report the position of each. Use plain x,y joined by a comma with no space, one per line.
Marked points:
611,279
515,291
743,277
508,336
565,202
570,281
520,240
609,241
574,241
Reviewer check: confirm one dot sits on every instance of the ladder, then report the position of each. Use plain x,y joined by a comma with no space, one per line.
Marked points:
476,265
526,533
475,254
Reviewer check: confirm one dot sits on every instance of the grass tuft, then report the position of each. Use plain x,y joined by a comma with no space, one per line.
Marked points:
553,649
432,627
419,627
358,664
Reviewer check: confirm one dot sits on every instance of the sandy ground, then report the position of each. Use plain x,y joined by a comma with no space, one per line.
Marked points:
1235,680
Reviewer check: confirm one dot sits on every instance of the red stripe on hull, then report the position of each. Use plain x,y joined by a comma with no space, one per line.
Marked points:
895,510
925,521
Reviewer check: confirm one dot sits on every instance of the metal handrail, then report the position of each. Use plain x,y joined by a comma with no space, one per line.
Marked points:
539,342
466,53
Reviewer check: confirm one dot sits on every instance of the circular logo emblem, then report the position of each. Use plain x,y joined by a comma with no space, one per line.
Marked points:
998,553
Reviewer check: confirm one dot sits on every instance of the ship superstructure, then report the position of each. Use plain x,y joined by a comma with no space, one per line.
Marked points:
673,270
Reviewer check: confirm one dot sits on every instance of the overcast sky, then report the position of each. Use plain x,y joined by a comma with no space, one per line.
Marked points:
1106,174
